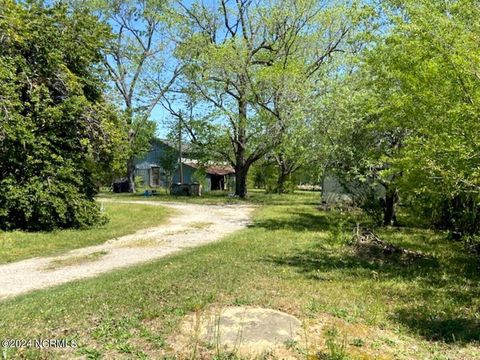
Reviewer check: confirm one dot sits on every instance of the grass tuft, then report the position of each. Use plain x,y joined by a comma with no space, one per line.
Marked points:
75,260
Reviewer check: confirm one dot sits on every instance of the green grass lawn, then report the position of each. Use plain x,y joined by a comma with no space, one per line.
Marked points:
294,258
255,196
124,219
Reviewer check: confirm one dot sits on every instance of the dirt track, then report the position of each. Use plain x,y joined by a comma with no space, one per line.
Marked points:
192,225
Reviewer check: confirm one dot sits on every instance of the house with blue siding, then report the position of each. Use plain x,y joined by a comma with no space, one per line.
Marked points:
149,169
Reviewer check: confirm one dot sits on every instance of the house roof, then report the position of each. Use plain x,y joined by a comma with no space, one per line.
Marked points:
220,170
186,146
145,166
212,169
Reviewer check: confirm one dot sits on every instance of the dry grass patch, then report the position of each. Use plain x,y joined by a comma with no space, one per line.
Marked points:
75,260
143,243
328,337
200,225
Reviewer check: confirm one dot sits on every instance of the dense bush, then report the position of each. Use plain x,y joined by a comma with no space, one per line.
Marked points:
53,122
459,214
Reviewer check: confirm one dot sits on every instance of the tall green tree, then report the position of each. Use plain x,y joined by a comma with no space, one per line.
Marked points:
54,122
139,63
426,73
251,62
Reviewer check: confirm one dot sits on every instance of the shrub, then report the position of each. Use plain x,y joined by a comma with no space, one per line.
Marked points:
52,118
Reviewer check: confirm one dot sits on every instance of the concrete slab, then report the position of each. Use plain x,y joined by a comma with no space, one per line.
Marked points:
247,331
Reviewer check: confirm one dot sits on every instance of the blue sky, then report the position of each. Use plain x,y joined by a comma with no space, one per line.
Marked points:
160,115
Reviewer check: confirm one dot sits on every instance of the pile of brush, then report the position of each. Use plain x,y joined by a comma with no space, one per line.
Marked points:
367,244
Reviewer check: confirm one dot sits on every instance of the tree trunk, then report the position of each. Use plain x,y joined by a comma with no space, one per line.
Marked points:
241,166
241,172
282,178
131,174
283,172
321,182
241,181
389,216
131,141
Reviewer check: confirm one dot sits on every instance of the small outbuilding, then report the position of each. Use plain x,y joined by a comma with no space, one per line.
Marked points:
218,177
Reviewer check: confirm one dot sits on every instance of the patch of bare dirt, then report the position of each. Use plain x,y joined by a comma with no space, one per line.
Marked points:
326,335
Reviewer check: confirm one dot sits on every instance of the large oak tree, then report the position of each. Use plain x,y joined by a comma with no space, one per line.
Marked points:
253,66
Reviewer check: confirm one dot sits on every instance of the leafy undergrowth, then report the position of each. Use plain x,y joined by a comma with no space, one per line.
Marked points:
124,219
293,258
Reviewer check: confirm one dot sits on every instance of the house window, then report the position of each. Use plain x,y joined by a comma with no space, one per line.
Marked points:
155,176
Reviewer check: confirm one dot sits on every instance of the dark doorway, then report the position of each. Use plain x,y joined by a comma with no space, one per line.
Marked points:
217,182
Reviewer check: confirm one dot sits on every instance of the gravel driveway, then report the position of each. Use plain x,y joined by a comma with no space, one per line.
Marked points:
192,225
